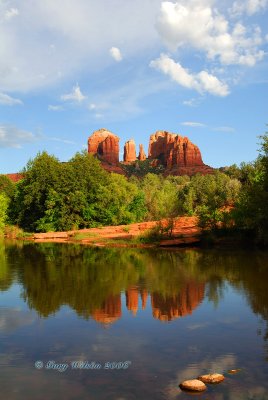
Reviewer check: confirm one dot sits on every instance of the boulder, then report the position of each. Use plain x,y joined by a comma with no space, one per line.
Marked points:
211,378
193,385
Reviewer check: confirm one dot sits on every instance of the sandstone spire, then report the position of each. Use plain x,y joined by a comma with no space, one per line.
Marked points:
142,155
130,151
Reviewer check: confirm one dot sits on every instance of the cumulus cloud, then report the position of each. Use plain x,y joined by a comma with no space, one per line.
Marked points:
116,54
76,95
197,24
202,81
249,7
11,13
55,108
193,124
11,136
7,100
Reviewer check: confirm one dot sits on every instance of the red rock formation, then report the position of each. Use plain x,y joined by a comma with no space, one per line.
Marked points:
168,308
130,151
176,153
105,145
110,310
142,155
15,177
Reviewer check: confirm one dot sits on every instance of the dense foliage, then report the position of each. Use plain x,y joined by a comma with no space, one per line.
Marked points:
251,209
81,194
78,194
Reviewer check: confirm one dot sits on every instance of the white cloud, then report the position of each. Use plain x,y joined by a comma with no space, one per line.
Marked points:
81,32
116,54
11,136
191,102
193,124
55,108
197,24
76,95
7,100
202,81
11,13
249,7
92,106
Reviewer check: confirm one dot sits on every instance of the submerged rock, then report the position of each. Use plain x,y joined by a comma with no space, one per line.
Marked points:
211,378
193,385
234,371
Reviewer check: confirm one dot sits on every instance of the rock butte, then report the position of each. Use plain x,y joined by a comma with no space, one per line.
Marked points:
211,378
105,145
193,385
177,154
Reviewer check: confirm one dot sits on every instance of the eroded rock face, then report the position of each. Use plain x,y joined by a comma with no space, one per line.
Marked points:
130,151
142,155
105,145
176,153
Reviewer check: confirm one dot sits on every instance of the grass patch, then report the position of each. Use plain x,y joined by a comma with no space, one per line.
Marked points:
14,232
81,236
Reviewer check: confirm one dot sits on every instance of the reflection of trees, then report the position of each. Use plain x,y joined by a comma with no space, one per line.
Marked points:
7,270
91,280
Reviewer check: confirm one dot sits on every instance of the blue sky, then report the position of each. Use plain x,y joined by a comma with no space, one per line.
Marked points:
193,67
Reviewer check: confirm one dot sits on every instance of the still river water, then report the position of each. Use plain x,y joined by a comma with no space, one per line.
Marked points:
171,315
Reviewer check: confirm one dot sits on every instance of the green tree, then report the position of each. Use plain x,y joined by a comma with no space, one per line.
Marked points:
161,197
4,202
251,208
6,186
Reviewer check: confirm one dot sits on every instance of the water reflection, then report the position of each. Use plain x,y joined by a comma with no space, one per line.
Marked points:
91,281
174,314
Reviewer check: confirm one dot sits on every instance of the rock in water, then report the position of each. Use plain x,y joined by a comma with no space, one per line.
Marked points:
211,378
193,385
234,371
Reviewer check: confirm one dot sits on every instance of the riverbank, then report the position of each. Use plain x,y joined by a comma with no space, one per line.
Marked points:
181,231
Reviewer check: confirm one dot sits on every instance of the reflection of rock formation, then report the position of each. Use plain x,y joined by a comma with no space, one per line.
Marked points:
110,310
132,299
105,145
144,296
168,308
